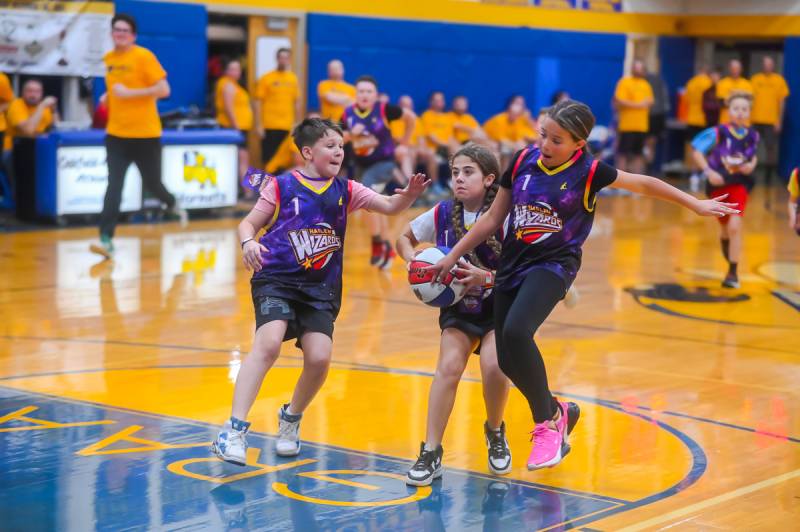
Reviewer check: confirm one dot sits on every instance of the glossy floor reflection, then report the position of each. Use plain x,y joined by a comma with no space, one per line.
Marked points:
113,378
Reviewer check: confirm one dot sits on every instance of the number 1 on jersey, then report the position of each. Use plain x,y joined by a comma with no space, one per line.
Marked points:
525,184
296,202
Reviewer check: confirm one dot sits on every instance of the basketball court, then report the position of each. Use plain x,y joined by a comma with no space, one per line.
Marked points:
115,378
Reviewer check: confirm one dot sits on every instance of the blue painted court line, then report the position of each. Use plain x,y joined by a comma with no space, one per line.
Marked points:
47,484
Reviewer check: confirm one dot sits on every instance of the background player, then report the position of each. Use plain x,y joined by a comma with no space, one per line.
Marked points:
727,156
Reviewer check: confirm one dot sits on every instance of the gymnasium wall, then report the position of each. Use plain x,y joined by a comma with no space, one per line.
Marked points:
790,140
176,34
487,64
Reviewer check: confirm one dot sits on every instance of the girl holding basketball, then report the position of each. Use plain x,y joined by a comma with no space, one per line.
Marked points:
727,156
549,193
297,276
468,325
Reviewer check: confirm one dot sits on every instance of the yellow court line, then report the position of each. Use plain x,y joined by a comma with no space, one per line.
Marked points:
327,478
712,501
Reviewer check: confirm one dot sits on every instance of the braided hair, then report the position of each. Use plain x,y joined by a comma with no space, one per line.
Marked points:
487,162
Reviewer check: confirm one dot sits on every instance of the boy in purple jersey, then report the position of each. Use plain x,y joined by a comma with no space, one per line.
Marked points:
367,126
727,155
297,276
550,193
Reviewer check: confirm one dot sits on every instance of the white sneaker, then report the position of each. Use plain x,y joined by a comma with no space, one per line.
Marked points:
288,443
231,443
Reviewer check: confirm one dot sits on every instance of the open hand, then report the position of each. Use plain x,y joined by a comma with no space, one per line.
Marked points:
715,207
251,255
441,268
416,186
470,275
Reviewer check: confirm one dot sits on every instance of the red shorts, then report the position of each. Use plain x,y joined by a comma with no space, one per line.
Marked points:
736,194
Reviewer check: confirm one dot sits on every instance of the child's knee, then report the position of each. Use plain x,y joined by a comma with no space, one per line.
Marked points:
317,360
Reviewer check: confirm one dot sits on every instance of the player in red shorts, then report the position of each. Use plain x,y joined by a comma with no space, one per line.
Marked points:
727,155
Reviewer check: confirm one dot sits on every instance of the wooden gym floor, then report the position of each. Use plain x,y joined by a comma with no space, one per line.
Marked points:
114,378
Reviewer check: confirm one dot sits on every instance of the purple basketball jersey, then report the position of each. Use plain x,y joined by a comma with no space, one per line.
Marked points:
304,242
375,143
480,300
733,148
551,216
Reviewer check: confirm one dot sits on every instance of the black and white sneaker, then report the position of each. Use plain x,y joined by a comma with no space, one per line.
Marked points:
731,281
427,467
499,453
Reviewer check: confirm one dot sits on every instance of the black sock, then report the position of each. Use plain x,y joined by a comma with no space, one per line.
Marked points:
726,244
376,239
732,268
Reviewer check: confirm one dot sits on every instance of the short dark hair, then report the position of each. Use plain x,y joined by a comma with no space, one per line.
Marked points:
368,79
281,50
124,17
310,130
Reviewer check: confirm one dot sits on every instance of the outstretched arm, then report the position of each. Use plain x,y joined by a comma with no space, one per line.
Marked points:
402,199
650,186
486,225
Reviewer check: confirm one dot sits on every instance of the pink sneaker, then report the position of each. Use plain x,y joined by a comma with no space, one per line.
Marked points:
570,412
547,446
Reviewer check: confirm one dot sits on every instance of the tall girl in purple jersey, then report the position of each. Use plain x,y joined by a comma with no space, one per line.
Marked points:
297,276
549,194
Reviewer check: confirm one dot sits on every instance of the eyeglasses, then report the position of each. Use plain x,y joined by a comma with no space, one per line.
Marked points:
116,29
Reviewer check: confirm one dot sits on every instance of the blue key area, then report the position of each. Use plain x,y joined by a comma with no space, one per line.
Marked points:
69,465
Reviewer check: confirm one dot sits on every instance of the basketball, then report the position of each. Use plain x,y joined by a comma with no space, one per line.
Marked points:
431,293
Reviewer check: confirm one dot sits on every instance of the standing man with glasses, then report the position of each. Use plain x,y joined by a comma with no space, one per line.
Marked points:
135,80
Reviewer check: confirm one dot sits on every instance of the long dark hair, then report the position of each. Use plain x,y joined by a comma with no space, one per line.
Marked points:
488,164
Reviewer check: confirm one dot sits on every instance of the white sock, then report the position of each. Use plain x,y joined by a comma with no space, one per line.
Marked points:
429,447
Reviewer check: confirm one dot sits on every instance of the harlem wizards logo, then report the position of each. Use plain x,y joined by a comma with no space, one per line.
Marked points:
535,223
314,246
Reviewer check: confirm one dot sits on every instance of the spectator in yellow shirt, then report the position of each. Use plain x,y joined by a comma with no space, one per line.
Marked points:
277,105
135,80
465,125
28,116
794,200
406,154
234,110
633,98
6,95
334,93
695,117
511,130
734,82
438,139
769,97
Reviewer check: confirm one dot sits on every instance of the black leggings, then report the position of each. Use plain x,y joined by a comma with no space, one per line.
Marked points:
518,314
121,152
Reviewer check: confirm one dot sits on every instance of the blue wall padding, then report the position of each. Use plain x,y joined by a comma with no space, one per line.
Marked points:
676,55
487,64
176,33
790,140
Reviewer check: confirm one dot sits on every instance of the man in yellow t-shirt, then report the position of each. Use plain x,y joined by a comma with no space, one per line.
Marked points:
695,116
406,155
769,97
135,80
6,95
633,98
511,130
28,116
438,139
465,126
734,82
234,110
277,105
335,93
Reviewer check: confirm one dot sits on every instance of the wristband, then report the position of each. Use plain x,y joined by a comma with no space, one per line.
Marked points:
246,240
